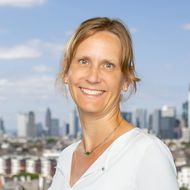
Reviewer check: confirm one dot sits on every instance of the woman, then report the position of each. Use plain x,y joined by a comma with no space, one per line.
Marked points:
113,154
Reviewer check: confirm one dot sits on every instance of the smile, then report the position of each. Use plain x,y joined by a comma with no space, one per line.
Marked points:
92,92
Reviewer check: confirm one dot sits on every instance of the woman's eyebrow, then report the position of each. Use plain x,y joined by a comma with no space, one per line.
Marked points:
89,58
109,60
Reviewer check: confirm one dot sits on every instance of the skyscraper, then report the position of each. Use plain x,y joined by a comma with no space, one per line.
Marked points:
32,131
168,122
189,107
73,124
185,113
22,122
2,127
141,118
156,122
48,122
55,127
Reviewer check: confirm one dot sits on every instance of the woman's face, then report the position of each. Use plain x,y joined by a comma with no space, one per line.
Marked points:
94,78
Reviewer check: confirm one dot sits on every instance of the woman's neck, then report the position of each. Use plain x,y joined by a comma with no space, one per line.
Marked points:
95,129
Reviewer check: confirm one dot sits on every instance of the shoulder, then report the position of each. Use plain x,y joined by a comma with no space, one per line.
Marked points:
143,140
151,149
155,165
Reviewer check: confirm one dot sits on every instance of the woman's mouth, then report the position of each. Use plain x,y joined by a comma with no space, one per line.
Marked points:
92,92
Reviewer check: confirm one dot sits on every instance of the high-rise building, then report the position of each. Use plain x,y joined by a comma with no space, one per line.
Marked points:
26,126
2,127
168,111
55,127
74,124
32,131
67,129
48,122
185,113
22,125
168,122
156,122
39,129
189,107
141,118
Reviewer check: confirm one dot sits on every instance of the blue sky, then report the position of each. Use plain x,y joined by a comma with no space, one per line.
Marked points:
33,34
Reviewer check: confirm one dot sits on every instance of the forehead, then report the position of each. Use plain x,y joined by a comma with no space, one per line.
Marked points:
101,44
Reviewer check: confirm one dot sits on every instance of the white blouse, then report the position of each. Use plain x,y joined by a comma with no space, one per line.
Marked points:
134,161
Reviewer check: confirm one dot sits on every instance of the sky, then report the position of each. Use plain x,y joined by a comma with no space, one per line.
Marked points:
33,34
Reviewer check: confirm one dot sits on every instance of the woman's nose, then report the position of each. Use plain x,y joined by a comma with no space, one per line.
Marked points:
93,75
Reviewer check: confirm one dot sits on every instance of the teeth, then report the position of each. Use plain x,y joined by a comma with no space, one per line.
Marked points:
92,92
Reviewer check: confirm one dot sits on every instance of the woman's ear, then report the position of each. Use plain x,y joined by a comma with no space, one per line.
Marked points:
125,86
66,79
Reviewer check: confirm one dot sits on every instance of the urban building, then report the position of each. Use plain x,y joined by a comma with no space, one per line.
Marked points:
156,122
188,119
2,127
26,126
185,113
185,134
67,129
32,131
11,165
55,127
169,123
39,129
141,118
48,122
184,177
22,125
74,128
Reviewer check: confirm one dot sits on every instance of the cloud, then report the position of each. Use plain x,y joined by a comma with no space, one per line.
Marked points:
21,3
4,82
52,48
41,69
186,26
31,87
18,52
31,49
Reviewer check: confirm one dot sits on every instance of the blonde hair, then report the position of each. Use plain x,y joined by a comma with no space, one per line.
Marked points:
90,27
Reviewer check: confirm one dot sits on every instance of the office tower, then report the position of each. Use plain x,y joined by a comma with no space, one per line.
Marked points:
2,127
185,113
168,111
48,122
32,131
22,123
156,122
54,127
168,122
67,127
127,116
141,118
189,107
39,130
74,124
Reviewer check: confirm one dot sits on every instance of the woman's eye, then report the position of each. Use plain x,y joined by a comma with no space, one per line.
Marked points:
83,61
109,65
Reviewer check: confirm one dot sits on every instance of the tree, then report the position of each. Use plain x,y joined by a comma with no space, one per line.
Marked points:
183,188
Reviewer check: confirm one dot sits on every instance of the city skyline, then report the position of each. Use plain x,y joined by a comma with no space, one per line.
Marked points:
28,126
33,35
